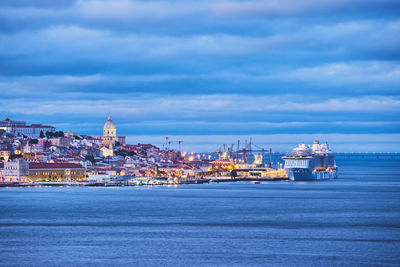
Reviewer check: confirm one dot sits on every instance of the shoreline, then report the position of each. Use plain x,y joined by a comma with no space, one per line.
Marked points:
86,184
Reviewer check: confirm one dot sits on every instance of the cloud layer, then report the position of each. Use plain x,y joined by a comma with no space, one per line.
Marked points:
199,68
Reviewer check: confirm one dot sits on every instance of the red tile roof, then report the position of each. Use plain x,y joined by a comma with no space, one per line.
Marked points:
33,126
35,165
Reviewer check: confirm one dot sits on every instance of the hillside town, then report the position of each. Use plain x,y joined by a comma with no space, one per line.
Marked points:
39,154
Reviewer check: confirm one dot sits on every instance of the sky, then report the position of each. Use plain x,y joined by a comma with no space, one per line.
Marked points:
207,72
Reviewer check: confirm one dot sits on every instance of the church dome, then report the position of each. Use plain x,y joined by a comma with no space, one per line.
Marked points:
109,128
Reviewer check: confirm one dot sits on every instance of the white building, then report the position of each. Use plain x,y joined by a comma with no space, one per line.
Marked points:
33,148
110,134
107,152
20,127
16,171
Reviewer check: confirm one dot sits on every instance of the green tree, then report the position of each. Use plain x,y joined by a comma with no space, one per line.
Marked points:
233,174
12,157
59,134
91,159
124,153
41,134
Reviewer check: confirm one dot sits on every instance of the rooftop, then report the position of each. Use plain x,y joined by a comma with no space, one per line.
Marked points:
35,165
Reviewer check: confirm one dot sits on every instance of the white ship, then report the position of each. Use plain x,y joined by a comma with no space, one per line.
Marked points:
316,162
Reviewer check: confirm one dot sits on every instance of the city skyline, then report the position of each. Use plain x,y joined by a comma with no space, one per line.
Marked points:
207,73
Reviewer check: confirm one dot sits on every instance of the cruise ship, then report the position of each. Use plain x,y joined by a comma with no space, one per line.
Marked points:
316,162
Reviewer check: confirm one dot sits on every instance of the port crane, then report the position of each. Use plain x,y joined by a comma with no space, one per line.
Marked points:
168,142
245,152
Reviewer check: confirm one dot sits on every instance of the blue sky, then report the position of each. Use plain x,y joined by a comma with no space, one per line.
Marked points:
207,72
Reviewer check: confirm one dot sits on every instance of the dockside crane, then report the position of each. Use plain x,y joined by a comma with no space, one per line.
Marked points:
246,151
168,143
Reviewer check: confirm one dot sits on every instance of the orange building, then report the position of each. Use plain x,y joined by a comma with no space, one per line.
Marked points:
56,172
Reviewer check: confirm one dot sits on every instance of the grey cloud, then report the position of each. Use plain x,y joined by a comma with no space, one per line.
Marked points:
376,77
290,7
133,15
62,46
216,66
195,105
38,3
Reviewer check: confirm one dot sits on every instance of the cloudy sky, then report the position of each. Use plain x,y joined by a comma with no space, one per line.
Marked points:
207,72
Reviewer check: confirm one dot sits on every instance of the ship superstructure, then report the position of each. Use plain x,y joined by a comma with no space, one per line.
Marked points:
316,162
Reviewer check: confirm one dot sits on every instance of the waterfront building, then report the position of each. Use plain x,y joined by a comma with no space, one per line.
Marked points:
221,163
1,172
98,178
39,172
16,171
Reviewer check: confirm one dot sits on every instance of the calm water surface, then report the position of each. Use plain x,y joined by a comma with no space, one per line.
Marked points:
352,221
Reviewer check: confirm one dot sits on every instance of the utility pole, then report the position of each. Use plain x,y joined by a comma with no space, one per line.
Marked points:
270,157
180,142
245,152
262,158
237,151
250,145
167,142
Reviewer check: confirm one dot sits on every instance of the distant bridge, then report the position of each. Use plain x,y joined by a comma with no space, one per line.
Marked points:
359,154
369,155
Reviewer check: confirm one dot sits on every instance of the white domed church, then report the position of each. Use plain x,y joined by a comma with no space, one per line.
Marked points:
109,128
110,134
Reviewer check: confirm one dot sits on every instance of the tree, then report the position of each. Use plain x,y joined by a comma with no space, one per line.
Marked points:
91,159
12,157
233,174
41,134
55,134
124,153
59,134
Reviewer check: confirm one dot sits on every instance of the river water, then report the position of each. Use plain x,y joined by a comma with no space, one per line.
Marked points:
351,221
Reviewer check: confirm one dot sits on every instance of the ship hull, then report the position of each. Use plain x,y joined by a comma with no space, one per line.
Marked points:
303,174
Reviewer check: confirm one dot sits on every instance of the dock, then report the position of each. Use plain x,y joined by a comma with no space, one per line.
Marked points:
247,179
